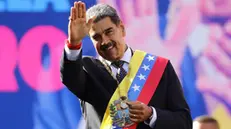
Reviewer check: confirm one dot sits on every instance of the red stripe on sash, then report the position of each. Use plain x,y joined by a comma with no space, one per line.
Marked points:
151,83
152,80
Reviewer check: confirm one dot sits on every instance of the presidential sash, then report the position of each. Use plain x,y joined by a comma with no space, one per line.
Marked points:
144,74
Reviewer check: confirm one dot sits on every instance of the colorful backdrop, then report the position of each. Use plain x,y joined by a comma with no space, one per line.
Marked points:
194,34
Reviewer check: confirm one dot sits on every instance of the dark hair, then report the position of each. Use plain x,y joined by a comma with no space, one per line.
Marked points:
206,119
101,11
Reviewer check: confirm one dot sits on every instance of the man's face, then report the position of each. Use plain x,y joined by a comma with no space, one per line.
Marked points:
216,7
108,39
210,125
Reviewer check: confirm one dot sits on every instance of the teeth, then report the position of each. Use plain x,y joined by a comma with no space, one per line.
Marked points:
110,47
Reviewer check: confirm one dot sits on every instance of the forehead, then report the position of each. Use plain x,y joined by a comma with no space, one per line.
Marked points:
101,25
207,126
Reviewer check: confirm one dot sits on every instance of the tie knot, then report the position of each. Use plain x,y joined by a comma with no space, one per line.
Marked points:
118,64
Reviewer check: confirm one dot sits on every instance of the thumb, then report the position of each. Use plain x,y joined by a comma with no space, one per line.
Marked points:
90,22
129,103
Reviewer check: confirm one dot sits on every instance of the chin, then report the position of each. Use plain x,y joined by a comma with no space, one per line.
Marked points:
112,59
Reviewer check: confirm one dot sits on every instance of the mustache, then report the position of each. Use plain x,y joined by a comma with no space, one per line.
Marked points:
106,46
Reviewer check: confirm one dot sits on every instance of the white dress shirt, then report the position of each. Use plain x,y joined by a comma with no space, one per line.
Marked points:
73,55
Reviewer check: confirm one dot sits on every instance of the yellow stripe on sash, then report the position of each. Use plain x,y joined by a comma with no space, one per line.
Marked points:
124,86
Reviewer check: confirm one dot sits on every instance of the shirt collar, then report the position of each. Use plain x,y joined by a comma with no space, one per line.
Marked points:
127,57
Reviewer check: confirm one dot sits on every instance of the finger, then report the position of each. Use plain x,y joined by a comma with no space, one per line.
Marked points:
137,106
72,14
134,116
80,10
145,7
220,58
135,111
135,120
76,9
132,103
84,10
228,27
127,11
225,44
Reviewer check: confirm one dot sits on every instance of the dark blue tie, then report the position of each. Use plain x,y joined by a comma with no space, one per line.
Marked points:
122,72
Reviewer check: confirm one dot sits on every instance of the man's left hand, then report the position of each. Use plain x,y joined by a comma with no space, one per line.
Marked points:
139,112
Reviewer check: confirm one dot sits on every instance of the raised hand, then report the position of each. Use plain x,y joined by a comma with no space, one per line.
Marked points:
214,63
218,49
78,27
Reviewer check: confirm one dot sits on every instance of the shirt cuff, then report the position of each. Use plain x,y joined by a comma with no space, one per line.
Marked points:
153,119
72,55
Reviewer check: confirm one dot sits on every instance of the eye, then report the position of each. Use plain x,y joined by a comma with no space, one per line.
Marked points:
97,37
109,32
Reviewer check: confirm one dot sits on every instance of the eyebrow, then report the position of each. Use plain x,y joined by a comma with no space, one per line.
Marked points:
107,29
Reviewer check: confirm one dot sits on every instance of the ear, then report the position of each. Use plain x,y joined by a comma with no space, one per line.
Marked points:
122,29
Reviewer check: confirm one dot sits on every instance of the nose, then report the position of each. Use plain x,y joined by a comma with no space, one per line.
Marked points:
105,39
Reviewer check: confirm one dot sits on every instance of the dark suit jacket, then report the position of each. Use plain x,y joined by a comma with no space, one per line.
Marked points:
88,79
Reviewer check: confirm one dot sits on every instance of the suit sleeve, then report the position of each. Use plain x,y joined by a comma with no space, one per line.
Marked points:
73,75
177,115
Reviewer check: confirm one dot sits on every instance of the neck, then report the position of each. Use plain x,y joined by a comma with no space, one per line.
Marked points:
126,48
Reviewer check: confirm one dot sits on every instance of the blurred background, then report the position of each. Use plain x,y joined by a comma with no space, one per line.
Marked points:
194,34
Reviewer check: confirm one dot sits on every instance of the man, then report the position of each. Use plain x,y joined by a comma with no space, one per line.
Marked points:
111,94
205,122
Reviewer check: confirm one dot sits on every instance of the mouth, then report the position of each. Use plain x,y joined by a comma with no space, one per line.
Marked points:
107,47
110,50
110,47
